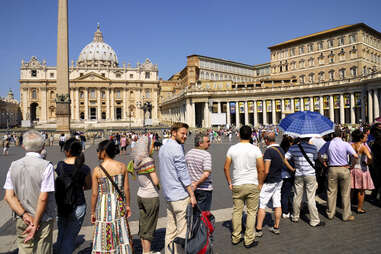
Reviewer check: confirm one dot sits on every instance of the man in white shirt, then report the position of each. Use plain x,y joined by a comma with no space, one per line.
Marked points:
29,192
246,181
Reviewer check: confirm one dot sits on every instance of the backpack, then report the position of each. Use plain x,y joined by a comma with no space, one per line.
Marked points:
65,191
200,228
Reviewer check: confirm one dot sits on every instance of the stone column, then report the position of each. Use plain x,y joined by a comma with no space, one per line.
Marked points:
25,103
86,95
321,104
301,104
292,105
228,120
255,113
273,108
353,115
246,114
363,100
376,103
312,104
342,112
282,108
44,105
77,104
206,115
112,105
237,124
331,109
99,105
193,115
125,109
264,112
219,107
62,106
108,104
72,104
370,107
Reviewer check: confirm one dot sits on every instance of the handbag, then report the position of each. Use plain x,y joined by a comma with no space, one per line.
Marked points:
121,194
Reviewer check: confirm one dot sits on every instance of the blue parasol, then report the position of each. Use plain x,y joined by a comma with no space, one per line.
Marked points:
305,124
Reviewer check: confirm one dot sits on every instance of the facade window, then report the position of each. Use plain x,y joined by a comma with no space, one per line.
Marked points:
147,75
103,94
117,94
52,75
103,115
92,93
103,75
341,41
131,75
320,45
292,52
342,73
301,64
364,70
311,77
321,76
352,38
82,115
81,95
212,76
34,73
148,94
331,57
310,47
301,79
34,94
321,58
118,114
81,74
118,75
93,113
354,71
301,50
331,75
52,95
310,62
330,43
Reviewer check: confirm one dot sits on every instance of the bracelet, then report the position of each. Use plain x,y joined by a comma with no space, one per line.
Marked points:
22,215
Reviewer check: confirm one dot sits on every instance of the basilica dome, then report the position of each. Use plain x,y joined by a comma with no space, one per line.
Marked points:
97,53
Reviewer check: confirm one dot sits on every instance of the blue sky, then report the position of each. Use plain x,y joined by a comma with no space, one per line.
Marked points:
167,31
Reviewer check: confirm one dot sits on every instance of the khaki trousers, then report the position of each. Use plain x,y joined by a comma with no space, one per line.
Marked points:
42,243
244,194
311,186
176,223
342,176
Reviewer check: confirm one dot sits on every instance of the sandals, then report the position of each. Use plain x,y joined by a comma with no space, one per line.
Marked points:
361,211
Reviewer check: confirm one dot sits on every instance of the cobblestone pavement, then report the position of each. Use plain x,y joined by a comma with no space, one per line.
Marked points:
359,236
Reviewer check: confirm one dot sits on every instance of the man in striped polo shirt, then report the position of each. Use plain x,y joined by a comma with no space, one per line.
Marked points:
199,162
305,178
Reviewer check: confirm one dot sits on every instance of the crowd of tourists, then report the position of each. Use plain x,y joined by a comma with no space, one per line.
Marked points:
41,194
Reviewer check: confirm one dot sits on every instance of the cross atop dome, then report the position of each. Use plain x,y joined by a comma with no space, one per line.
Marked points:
98,36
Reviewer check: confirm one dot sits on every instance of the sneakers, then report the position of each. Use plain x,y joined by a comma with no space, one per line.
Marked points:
285,215
350,218
293,219
320,224
235,243
259,233
253,244
274,230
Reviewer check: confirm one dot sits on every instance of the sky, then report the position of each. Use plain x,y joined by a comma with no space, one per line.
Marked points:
167,31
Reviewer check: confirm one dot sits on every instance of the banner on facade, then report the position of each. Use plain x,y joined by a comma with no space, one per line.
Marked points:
259,106
357,100
336,101
316,103
250,107
326,102
269,107
297,104
232,107
241,106
306,102
347,100
218,119
278,106
287,105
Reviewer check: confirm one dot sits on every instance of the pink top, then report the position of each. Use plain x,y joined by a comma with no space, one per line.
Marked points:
123,141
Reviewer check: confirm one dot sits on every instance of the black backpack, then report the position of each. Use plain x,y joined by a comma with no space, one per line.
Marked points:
65,191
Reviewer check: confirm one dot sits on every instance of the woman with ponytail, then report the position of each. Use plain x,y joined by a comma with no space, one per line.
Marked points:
69,222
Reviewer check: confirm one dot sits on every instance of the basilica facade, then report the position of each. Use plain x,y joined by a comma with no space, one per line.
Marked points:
103,94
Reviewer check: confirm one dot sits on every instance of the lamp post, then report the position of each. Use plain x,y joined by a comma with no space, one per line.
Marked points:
130,108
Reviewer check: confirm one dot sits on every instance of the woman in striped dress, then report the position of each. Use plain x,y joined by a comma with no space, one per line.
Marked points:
109,212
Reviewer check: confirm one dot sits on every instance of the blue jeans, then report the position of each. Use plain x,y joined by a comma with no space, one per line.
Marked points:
68,229
204,199
286,195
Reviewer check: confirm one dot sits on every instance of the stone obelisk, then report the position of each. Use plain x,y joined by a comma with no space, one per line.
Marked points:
62,98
